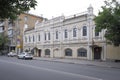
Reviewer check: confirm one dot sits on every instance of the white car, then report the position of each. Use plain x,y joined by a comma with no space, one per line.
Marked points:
25,55
11,54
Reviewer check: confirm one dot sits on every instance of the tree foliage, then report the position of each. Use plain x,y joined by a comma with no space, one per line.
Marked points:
3,41
109,19
12,8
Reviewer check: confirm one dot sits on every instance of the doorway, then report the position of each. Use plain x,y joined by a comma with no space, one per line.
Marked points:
97,53
39,52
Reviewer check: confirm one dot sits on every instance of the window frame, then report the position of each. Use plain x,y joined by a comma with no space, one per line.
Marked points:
45,36
29,39
39,37
96,33
56,34
26,39
68,52
33,38
84,30
26,18
47,51
49,36
74,32
82,52
66,33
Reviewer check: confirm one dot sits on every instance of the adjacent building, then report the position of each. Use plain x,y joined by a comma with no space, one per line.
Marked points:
15,29
2,23
70,37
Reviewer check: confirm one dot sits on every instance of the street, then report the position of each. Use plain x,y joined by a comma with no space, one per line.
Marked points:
12,68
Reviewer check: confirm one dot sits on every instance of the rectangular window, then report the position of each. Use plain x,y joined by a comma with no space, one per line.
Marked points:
26,39
96,33
10,32
45,36
1,28
74,32
56,34
84,31
29,39
11,23
26,18
39,37
66,34
33,38
49,36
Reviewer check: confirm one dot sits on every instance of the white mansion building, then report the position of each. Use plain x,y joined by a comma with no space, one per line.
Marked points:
68,37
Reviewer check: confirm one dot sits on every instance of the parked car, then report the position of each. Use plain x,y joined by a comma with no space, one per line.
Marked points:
25,55
11,54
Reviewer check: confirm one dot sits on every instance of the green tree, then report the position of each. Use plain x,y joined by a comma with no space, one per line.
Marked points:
3,41
109,19
12,8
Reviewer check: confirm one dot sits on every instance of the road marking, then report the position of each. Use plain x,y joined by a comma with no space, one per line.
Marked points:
56,71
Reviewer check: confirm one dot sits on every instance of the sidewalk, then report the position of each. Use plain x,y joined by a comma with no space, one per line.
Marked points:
84,62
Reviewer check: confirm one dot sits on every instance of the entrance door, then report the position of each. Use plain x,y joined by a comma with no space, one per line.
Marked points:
97,53
39,53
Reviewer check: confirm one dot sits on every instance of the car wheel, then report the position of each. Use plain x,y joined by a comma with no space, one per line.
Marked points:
24,58
18,57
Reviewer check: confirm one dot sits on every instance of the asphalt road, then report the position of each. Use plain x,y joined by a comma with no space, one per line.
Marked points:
12,68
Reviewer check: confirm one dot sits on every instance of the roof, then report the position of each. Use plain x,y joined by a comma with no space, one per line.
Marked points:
76,15
33,15
29,29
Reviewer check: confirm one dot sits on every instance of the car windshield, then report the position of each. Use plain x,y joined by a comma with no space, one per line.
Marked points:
29,54
22,53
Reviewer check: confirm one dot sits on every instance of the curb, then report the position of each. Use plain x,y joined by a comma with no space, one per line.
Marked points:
80,63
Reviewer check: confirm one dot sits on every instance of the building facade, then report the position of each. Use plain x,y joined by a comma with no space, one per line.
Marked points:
25,21
15,29
2,24
68,37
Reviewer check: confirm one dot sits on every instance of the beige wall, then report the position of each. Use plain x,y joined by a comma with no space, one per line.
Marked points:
113,52
31,20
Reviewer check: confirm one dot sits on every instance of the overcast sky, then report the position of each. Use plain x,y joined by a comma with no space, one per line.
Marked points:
49,8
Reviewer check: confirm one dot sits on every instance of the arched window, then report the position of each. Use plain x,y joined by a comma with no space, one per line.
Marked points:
66,33
74,32
82,52
47,52
84,31
68,52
